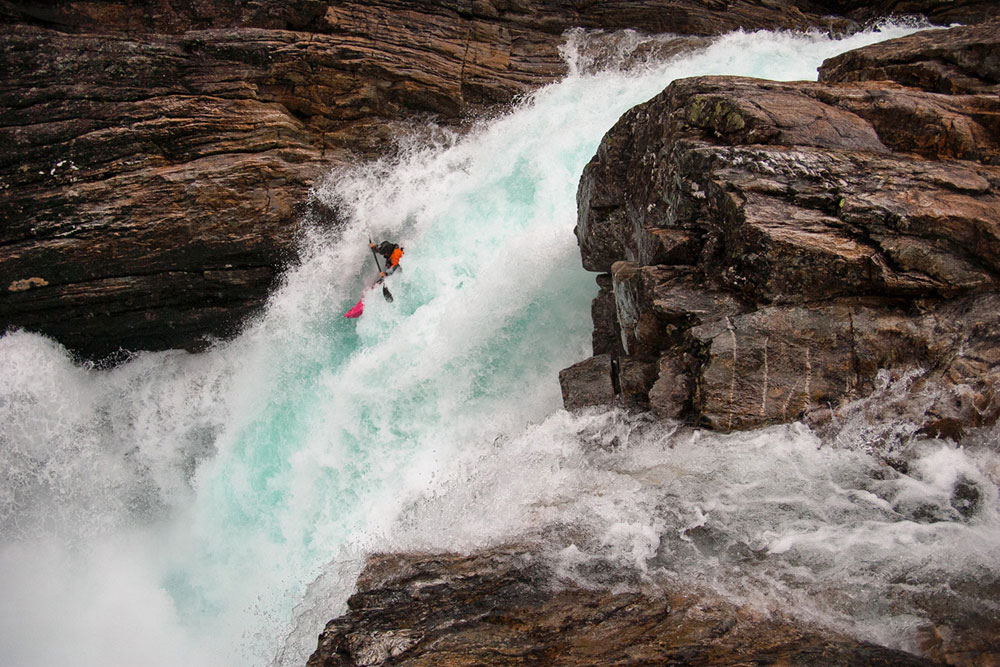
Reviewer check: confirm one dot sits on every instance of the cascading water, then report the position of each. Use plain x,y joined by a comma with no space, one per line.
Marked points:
214,509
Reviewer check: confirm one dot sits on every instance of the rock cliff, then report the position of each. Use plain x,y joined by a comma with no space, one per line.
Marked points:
769,251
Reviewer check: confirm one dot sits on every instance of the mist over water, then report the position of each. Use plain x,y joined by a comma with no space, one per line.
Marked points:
214,509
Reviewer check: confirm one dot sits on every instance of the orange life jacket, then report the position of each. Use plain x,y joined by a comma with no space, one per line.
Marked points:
394,257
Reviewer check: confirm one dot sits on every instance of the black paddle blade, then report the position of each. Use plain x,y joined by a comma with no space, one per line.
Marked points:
386,294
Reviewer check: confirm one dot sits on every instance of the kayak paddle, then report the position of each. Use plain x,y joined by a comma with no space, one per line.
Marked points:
385,290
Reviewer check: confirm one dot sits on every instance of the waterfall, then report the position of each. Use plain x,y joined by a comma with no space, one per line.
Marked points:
214,508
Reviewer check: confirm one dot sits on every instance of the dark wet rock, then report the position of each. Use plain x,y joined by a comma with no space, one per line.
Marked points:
607,335
635,376
940,13
827,232
505,607
966,498
670,391
959,61
587,383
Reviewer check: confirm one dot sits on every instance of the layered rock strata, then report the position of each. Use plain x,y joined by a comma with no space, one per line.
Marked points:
505,607
766,249
152,186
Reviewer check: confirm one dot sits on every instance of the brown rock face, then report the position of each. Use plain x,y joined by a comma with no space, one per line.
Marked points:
773,246
540,16
157,158
142,196
957,61
503,607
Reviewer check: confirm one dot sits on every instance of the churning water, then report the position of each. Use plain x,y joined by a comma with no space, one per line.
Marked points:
214,509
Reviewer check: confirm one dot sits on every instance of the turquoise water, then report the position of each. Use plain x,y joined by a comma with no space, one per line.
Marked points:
214,509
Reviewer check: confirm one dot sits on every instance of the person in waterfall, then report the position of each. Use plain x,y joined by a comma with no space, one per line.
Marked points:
392,254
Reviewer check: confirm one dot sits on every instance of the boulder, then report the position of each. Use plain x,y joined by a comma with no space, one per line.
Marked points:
587,383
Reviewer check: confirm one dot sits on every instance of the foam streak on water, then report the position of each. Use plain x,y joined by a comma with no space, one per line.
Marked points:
212,509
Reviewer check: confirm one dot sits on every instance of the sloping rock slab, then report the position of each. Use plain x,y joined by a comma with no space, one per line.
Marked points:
955,62
501,607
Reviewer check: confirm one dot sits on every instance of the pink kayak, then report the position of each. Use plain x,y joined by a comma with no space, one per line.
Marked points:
356,311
